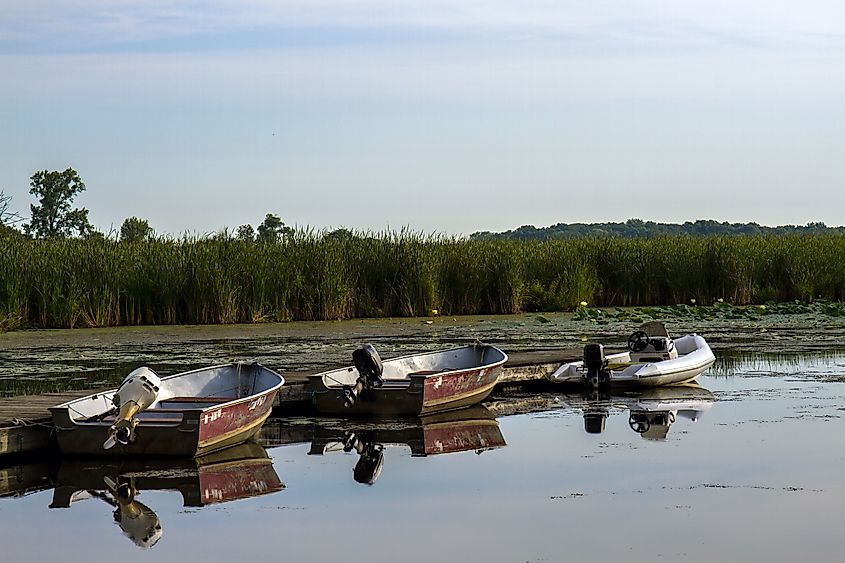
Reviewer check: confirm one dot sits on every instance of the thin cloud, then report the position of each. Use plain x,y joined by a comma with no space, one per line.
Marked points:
57,25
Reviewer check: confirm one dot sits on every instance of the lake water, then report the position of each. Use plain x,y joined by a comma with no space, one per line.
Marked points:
758,476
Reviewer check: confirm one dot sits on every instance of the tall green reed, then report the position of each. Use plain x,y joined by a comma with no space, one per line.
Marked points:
306,275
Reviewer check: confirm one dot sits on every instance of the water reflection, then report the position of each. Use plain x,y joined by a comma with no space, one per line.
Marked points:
769,448
471,429
652,411
231,474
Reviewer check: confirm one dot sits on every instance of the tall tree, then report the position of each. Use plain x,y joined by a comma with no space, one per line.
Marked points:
134,229
272,229
7,218
340,234
53,217
246,232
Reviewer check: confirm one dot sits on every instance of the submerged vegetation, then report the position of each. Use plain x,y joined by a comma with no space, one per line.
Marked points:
310,276
718,310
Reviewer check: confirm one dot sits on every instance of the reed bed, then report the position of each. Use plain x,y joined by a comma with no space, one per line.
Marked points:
309,276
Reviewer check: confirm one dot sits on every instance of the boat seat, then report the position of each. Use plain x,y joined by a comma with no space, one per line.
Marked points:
149,416
152,416
198,400
395,382
189,403
431,371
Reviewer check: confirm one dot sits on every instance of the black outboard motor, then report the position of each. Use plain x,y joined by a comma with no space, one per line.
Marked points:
370,369
369,465
597,372
594,421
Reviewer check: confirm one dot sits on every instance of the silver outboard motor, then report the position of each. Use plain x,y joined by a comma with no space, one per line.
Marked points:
138,522
598,374
137,392
370,369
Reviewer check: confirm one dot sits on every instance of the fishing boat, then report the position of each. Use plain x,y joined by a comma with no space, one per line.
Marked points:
226,475
418,384
652,358
652,411
187,414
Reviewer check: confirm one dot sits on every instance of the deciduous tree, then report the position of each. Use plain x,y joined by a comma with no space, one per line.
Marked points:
53,217
134,229
246,233
7,218
272,229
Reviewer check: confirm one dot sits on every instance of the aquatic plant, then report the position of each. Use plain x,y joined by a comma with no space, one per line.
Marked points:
718,310
311,276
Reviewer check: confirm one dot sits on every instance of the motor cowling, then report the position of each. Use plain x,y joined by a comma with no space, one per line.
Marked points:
138,522
594,422
137,392
597,372
368,363
369,465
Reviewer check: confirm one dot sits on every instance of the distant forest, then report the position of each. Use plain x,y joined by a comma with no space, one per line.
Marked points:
637,228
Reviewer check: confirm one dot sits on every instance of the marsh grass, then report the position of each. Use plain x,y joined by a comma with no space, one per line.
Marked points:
309,276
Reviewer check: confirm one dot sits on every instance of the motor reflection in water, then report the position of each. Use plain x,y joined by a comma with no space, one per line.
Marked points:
652,411
234,473
470,429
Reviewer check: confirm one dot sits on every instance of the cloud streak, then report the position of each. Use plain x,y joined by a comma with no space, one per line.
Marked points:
52,25
251,106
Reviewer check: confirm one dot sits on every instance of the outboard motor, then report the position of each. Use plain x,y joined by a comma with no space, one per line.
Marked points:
138,522
597,372
370,369
137,392
594,421
369,465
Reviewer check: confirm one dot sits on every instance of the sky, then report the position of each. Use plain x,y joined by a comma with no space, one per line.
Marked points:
448,116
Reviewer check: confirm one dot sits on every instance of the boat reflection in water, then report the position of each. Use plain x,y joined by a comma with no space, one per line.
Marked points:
469,429
234,473
652,411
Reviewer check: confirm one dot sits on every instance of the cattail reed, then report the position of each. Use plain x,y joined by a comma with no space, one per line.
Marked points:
312,276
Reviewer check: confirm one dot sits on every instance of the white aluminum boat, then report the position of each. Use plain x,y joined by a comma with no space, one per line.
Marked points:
419,384
187,414
652,358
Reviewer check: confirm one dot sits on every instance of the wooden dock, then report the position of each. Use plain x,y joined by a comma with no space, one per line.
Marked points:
26,424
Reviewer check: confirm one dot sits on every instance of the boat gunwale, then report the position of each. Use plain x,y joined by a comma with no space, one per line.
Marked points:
235,401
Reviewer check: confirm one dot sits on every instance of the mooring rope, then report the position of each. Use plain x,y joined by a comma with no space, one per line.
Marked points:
24,422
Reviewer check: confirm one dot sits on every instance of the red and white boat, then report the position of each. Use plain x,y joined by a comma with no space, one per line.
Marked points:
419,384
187,414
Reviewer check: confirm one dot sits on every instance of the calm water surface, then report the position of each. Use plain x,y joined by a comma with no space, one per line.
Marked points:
757,477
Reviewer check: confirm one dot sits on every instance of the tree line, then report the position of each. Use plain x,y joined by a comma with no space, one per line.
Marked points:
637,228
55,217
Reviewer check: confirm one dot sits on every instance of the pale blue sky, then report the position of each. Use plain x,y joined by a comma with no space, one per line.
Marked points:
450,116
